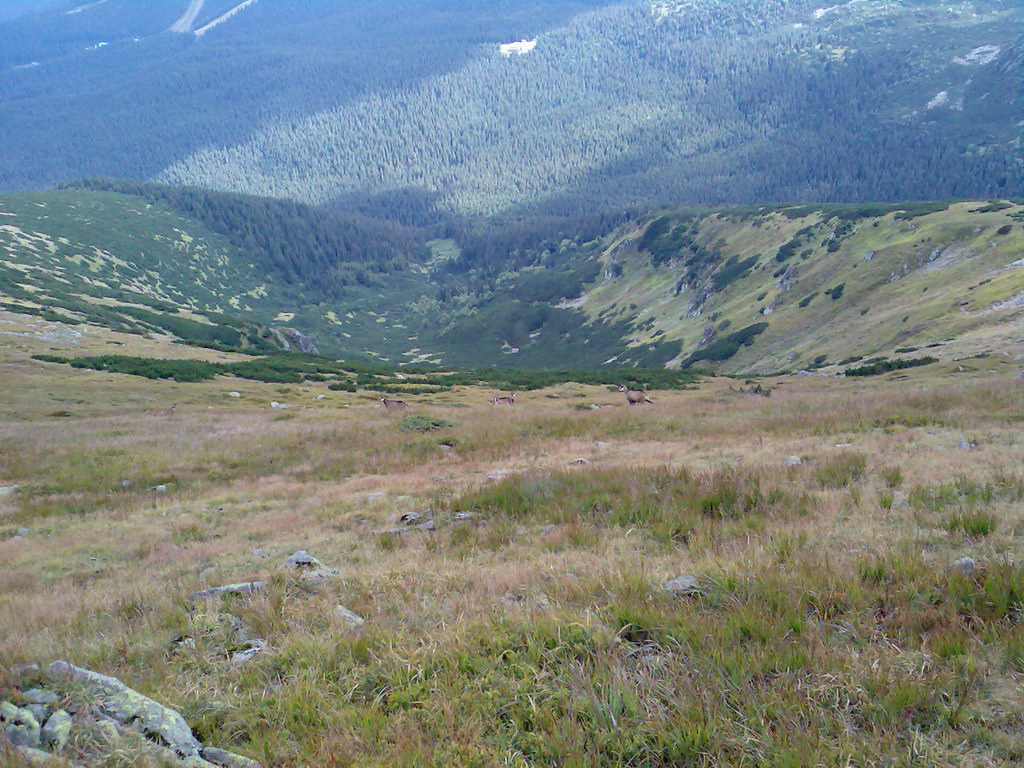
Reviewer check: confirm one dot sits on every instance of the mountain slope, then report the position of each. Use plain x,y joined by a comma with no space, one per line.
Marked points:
758,289
717,103
828,283
646,103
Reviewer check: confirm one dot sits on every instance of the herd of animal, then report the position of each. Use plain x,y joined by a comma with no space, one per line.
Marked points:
633,397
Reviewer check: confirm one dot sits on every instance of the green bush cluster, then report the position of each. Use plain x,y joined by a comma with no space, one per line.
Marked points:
725,348
874,368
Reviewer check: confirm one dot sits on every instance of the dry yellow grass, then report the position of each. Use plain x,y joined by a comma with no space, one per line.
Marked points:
535,636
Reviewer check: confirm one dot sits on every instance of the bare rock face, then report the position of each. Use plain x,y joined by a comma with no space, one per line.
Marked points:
124,705
295,340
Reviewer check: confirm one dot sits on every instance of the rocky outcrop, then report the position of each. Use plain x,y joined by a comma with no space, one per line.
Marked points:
295,340
112,714
126,706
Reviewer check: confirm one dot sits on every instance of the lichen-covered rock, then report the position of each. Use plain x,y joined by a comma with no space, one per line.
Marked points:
227,759
40,696
236,590
55,733
118,701
19,724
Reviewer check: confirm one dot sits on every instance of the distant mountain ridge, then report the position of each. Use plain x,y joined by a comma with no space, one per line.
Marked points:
756,289
635,103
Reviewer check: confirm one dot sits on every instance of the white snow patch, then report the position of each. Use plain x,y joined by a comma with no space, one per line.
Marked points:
26,66
188,18
940,98
822,12
518,48
85,7
97,46
221,19
983,54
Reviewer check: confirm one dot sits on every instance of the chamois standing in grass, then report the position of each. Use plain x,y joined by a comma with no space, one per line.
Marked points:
636,396
394,405
509,399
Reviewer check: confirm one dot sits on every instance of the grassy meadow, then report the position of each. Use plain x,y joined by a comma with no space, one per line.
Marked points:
530,627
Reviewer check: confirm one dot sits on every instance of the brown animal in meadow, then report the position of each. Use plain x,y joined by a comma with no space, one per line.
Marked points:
394,405
509,399
636,396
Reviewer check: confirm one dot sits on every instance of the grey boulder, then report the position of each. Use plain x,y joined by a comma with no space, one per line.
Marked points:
682,586
40,696
966,566
308,567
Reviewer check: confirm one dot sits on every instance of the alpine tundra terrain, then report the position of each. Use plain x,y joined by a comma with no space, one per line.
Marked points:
224,570
742,290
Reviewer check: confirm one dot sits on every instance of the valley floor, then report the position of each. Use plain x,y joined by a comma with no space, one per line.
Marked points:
529,626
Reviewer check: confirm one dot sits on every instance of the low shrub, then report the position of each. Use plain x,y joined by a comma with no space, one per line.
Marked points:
884,366
418,422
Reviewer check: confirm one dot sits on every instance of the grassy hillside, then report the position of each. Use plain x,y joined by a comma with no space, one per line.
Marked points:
741,290
826,615
832,283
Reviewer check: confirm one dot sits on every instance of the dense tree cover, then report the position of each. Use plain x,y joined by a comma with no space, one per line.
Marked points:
147,98
321,250
726,347
417,117
713,102
289,368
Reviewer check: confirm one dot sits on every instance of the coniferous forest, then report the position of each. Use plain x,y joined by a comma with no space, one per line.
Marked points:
422,120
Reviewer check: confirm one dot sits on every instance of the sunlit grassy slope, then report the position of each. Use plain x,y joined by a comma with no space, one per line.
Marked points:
828,283
530,628
953,278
